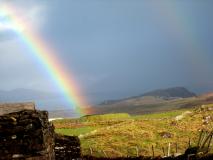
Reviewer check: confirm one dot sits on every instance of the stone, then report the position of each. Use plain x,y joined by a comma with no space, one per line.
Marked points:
166,135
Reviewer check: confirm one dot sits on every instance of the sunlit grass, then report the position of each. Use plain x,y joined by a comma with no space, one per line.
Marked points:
104,117
168,114
74,131
123,135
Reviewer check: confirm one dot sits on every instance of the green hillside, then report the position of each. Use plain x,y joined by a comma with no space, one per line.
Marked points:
114,135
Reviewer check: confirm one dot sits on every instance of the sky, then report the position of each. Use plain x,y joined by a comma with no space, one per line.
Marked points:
113,48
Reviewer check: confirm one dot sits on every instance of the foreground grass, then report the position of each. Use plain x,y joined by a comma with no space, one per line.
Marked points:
74,131
168,114
123,135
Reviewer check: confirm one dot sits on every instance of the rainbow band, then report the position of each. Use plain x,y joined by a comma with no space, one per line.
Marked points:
48,59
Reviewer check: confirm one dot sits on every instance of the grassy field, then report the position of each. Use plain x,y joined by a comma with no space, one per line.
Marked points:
116,135
75,131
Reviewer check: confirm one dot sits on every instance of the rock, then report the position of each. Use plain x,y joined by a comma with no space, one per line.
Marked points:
166,135
207,119
179,117
174,123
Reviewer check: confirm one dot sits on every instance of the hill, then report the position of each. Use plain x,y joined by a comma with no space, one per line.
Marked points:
155,101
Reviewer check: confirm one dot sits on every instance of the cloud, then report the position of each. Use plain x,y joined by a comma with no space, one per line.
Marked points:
31,13
19,69
14,54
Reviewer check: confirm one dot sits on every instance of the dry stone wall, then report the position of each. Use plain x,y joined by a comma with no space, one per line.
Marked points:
25,134
67,147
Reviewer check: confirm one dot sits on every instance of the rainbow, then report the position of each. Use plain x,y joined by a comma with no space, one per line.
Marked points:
47,57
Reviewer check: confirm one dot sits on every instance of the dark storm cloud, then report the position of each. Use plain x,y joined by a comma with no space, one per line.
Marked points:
126,47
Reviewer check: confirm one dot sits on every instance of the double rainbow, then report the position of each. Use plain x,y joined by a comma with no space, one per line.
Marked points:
47,57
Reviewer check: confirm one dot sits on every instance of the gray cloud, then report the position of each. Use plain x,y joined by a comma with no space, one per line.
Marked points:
6,35
19,69
113,47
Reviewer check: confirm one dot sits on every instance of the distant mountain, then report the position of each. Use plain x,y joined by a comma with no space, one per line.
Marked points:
154,101
176,92
169,93
24,95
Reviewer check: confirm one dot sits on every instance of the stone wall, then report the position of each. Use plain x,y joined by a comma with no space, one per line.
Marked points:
26,134
67,147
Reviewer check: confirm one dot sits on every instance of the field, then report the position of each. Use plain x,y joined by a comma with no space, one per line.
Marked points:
114,135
